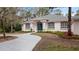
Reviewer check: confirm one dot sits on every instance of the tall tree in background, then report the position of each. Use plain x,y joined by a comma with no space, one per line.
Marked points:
6,15
3,14
25,13
57,12
69,22
42,11
77,13
28,15
11,19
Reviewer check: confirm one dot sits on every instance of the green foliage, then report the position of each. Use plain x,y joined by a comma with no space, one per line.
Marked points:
77,13
7,29
18,27
59,33
0,30
42,11
56,32
57,12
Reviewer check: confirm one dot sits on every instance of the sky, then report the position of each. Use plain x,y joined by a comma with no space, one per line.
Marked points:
65,10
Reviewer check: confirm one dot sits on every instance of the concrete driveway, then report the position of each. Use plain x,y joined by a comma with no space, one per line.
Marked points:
24,42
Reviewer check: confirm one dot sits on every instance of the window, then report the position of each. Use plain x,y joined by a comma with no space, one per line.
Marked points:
64,25
51,25
27,25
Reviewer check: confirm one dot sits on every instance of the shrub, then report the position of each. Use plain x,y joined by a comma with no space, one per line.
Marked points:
0,30
8,29
65,36
18,27
59,33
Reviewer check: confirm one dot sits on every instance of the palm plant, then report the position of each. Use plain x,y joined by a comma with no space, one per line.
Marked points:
28,15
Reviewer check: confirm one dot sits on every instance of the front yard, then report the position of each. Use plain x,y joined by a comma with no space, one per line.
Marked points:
52,42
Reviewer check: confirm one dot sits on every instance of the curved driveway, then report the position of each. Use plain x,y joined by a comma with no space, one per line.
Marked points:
24,42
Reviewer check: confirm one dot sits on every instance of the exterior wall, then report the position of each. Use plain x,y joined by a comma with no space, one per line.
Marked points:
75,28
34,27
58,27
53,29
72,27
24,28
45,25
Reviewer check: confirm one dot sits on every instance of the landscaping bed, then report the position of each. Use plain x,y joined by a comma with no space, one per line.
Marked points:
7,38
52,42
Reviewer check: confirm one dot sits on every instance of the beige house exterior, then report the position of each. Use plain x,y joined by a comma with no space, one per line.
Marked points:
51,23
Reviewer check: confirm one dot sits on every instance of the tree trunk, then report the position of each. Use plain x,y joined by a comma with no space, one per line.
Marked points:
69,22
11,27
3,26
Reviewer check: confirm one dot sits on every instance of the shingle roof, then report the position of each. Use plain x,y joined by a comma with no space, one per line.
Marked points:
52,17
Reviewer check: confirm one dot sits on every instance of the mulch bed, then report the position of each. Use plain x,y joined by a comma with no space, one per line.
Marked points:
48,38
7,38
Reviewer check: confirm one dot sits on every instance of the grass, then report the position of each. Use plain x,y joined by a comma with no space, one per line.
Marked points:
58,47
51,42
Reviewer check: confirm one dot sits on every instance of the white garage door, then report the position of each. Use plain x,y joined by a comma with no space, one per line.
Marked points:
76,28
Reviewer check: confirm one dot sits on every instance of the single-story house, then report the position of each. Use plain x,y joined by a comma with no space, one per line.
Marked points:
51,23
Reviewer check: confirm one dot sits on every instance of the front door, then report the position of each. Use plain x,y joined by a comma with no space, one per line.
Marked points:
39,26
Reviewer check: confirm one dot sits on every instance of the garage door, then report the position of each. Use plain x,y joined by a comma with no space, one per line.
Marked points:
76,28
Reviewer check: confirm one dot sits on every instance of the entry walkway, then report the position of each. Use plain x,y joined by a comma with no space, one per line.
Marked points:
24,42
